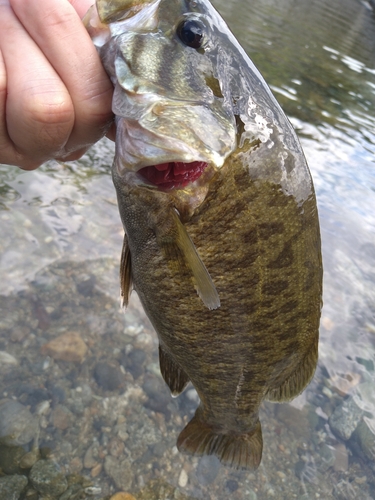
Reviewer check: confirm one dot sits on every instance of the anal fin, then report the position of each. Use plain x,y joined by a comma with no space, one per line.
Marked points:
296,383
240,451
126,281
174,376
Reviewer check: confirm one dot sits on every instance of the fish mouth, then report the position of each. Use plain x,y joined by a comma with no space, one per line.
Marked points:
173,174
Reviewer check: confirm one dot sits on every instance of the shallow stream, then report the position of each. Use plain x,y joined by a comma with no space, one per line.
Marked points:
103,414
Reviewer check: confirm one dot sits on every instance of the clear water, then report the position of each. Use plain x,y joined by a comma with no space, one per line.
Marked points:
60,228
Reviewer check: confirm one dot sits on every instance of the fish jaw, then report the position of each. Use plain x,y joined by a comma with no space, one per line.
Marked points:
165,110
153,129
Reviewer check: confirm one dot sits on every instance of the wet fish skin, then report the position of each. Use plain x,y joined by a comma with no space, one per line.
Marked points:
252,221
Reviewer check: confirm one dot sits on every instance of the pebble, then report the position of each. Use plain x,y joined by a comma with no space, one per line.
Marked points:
11,487
7,359
10,458
61,417
75,465
345,418
160,489
66,347
207,469
47,478
183,479
17,425
120,472
251,495
232,485
134,362
296,420
91,455
108,376
86,285
344,384
115,447
366,437
341,458
122,496
158,394
95,471
30,458
328,456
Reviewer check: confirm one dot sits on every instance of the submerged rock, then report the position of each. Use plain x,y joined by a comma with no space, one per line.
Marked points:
108,376
159,489
10,458
119,471
365,435
47,478
67,347
11,487
345,419
17,425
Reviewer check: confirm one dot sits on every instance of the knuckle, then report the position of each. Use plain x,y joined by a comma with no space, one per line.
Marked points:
50,109
50,119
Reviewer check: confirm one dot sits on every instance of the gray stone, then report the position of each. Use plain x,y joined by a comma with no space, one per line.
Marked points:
17,425
107,376
365,435
47,478
10,457
345,419
328,457
120,472
207,470
11,487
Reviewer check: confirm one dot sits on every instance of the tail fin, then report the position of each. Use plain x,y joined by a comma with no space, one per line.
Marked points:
241,451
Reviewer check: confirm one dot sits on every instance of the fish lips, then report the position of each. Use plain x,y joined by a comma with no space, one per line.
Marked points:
154,131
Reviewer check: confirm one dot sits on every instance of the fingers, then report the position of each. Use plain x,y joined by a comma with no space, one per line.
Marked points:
59,33
37,108
81,6
55,97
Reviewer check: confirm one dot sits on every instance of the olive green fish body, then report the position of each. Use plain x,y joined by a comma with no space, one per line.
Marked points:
222,237
261,249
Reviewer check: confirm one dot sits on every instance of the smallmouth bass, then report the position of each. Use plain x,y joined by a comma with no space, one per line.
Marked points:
222,240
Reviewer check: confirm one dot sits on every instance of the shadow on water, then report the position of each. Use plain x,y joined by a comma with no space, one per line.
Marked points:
80,389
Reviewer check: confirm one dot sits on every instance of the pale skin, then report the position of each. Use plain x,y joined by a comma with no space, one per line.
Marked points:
55,97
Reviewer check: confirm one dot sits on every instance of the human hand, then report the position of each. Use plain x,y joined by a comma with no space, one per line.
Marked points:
55,97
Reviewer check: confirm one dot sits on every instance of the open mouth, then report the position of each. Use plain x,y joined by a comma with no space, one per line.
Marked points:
173,175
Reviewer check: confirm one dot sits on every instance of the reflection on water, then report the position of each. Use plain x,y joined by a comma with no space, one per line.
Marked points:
87,376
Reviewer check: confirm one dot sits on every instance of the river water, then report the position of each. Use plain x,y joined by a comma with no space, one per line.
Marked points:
102,414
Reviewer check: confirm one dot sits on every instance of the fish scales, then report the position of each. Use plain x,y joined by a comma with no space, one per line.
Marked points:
217,351
222,237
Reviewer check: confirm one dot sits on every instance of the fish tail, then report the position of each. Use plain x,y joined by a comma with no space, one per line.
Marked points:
241,451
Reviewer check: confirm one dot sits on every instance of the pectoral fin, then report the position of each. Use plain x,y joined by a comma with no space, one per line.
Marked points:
180,251
125,273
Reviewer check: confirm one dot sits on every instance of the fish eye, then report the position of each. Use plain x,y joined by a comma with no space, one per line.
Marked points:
190,33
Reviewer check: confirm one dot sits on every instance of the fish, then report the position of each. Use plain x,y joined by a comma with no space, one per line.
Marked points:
222,239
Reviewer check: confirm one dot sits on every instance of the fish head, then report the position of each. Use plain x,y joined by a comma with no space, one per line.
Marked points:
187,96
171,115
